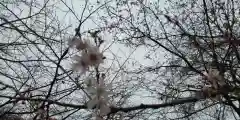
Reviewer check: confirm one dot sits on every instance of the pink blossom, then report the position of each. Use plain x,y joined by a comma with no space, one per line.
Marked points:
100,96
72,41
95,56
78,43
82,63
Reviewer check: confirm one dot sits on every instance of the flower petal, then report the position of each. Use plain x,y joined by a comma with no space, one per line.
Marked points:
72,41
81,45
76,58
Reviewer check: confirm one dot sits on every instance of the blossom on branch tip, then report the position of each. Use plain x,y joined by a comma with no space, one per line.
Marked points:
100,103
95,56
82,45
87,59
72,41
82,63
78,43
89,55
100,96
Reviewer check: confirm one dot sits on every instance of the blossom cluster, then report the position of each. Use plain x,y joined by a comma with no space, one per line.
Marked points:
90,56
99,99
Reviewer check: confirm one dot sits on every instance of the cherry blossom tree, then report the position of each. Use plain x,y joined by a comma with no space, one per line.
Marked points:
119,59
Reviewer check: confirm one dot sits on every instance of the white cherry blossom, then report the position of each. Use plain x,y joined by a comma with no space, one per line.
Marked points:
78,43
95,56
100,97
91,56
82,63
72,41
